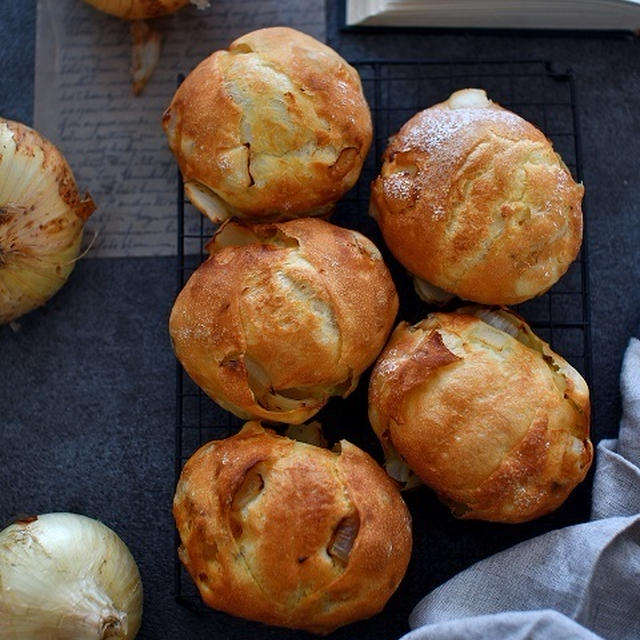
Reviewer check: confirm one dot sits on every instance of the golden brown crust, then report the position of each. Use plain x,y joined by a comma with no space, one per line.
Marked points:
138,9
258,514
275,128
499,429
473,199
282,316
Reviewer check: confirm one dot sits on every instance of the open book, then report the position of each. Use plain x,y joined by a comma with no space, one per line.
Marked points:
496,14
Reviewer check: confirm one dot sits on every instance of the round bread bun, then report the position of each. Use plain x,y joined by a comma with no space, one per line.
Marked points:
275,128
137,9
474,202
282,316
484,412
291,534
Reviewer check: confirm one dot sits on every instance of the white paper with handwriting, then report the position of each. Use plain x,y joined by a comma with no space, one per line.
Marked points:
113,140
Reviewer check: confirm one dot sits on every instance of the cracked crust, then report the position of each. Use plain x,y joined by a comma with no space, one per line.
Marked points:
497,425
471,198
282,316
258,516
277,127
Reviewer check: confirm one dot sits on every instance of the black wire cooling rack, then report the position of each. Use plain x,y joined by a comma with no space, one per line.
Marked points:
396,90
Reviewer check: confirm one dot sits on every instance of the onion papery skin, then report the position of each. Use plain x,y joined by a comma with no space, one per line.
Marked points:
65,576
137,9
42,217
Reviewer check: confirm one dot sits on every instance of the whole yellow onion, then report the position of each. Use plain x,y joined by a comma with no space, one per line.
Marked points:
64,576
138,9
41,220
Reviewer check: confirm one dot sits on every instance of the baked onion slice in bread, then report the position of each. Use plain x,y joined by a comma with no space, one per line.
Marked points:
483,412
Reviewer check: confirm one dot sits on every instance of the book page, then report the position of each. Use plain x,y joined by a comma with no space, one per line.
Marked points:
497,14
114,141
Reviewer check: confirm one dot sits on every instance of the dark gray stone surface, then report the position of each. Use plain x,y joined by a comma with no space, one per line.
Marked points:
87,392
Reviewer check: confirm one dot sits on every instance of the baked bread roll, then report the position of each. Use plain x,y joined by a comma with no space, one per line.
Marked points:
138,9
484,412
277,127
282,316
291,534
474,202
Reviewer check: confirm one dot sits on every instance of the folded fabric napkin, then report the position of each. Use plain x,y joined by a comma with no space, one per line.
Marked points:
579,582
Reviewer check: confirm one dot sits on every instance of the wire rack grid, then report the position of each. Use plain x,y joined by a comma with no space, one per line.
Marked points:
396,90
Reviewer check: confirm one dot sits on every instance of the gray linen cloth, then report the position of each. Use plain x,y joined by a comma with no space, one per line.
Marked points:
581,582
